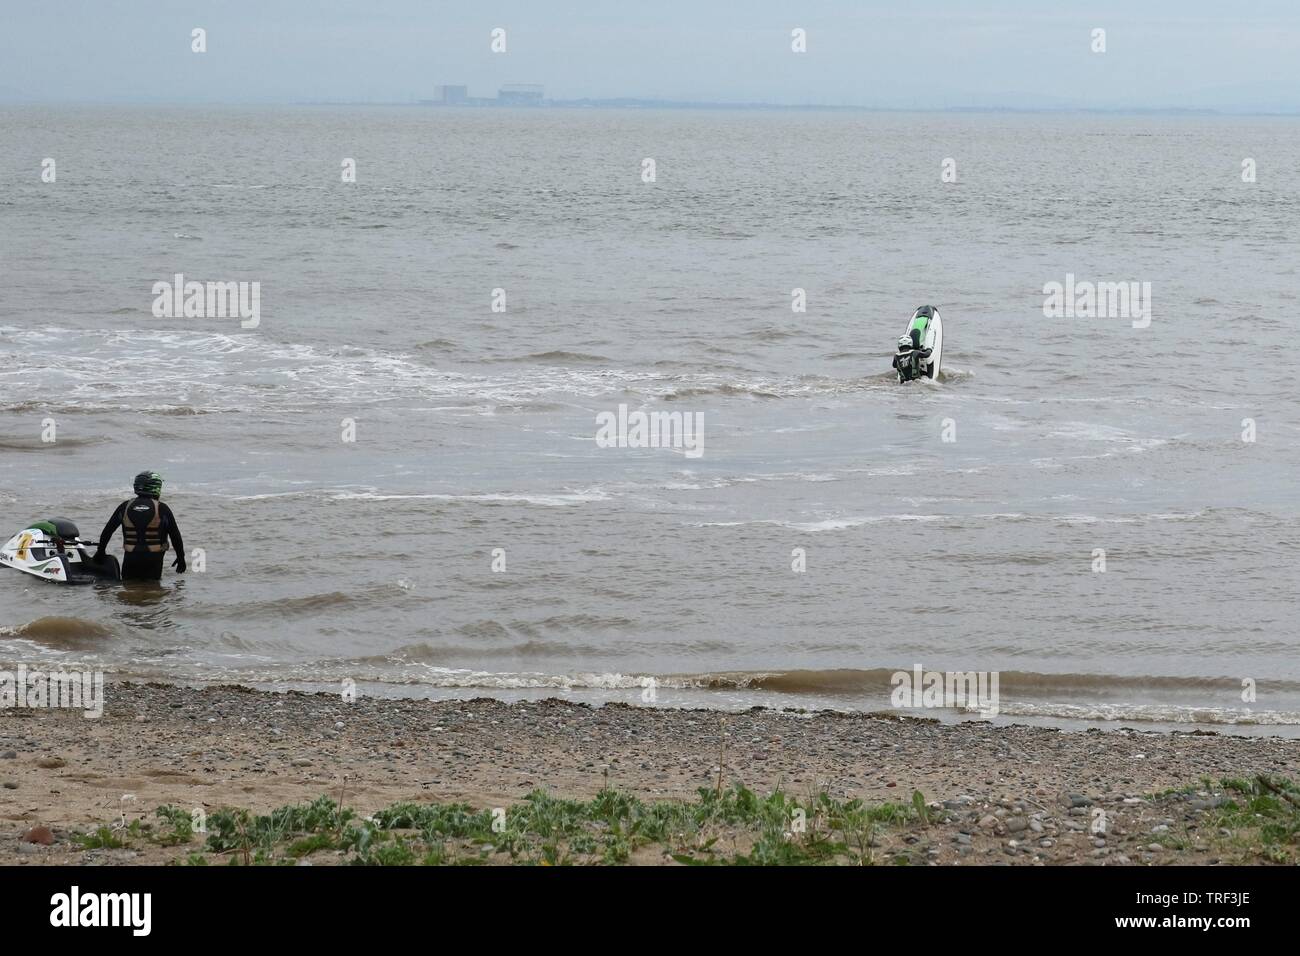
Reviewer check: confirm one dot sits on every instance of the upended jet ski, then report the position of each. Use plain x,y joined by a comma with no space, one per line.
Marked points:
55,551
920,349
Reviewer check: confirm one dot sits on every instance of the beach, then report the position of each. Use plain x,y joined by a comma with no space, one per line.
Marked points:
1014,795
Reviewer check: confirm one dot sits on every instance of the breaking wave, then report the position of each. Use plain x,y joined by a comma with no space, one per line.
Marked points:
59,633
216,371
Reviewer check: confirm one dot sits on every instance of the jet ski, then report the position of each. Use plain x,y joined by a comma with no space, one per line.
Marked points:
920,349
55,551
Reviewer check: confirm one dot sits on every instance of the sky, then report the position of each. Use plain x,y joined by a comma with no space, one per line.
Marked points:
1185,54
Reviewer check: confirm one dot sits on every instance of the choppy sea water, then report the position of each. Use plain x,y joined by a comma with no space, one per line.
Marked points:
372,560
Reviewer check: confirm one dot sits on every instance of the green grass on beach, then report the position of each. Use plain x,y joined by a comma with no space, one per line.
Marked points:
734,826
1255,820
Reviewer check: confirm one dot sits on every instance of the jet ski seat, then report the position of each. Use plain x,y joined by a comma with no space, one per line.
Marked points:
65,529
920,322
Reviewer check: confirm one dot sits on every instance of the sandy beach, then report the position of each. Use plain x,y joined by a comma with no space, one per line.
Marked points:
1019,795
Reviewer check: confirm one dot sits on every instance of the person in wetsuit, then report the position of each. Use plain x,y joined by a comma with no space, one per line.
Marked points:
911,356
147,524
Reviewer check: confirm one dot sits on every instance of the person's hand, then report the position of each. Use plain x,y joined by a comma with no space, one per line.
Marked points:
179,564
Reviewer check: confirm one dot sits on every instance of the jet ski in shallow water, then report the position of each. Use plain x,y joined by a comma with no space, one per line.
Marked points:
920,349
55,551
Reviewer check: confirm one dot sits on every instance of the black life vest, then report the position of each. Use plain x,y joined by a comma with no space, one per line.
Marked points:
142,526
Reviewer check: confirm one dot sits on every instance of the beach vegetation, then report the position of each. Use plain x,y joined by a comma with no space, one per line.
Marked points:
1242,820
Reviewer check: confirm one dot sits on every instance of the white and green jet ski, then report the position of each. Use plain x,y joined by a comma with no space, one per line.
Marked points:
55,551
920,349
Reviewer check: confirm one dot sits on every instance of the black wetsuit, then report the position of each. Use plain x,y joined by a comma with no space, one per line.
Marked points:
909,364
147,524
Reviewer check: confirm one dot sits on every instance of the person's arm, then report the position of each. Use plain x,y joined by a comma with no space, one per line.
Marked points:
174,533
110,529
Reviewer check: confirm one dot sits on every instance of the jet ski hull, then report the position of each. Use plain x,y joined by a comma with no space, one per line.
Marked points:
34,552
934,342
926,361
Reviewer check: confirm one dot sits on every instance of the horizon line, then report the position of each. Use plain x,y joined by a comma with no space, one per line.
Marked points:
633,102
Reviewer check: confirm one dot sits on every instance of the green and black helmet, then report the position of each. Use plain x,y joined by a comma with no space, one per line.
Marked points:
148,483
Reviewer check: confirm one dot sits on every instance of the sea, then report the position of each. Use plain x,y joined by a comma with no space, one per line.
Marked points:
392,478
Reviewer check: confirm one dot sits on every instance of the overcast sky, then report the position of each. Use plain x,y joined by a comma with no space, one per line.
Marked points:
892,53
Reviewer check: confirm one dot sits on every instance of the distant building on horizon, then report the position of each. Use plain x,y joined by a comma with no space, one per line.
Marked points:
520,94
512,94
449,95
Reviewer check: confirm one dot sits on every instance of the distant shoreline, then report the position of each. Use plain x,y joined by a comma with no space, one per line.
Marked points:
631,103
688,106
670,105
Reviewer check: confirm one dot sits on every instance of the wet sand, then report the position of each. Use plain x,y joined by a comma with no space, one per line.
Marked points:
1001,794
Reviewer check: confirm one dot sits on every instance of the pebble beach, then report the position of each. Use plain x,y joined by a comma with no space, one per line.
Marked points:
1006,795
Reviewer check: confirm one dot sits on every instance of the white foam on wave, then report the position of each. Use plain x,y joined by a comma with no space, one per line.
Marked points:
546,499
1135,518
422,674
198,364
1148,713
1095,432
826,524
689,481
